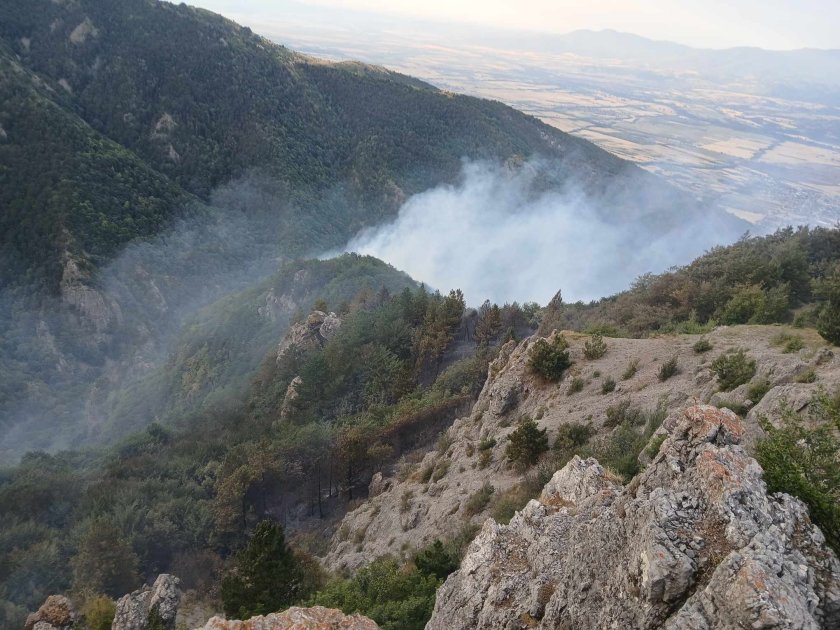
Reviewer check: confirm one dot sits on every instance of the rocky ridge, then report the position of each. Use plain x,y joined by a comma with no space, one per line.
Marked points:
158,604
694,541
407,510
295,618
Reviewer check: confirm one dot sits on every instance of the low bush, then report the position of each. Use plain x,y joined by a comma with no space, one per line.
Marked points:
623,412
395,596
703,345
98,613
608,385
573,435
575,386
788,342
668,369
550,359
486,443
526,444
479,500
630,370
437,560
733,369
620,451
757,389
507,503
595,347
808,376
802,461
655,444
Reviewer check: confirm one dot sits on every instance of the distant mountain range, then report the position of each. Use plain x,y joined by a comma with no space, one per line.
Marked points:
781,70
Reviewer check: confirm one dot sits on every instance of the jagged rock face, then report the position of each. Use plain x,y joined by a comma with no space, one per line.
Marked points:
404,512
56,613
692,542
161,600
313,333
316,618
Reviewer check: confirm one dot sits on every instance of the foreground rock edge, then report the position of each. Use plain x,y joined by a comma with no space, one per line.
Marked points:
694,541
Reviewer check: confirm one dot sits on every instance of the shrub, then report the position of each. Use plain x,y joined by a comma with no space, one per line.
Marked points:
99,613
608,385
623,412
550,359
668,369
808,376
758,389
509,502
426,473
630,370
479,500
620,452
396,597
788,342
573,435
828,322
655,444
733,369
803,462
702,345
486,444
484,459
440,470
436,560
444,442
575,386
266,577
595,347
526,443
738,408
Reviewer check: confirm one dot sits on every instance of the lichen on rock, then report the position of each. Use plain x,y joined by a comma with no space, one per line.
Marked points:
694,541
295,618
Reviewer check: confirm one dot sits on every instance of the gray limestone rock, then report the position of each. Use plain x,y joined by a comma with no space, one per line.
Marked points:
694,541
161,600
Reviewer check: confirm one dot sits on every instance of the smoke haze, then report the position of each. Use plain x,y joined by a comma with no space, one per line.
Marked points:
493,237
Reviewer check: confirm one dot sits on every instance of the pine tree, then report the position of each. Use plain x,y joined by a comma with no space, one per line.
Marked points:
550,359
526,443
267,577
828,324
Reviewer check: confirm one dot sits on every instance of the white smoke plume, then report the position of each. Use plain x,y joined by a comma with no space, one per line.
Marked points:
493,237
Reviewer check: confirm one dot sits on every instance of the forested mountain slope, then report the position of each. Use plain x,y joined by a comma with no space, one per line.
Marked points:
155,157
203,101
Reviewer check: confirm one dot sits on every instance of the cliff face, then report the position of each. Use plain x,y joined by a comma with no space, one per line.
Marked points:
408,509
693,542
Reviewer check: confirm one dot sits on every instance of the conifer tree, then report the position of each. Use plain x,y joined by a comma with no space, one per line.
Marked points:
267,577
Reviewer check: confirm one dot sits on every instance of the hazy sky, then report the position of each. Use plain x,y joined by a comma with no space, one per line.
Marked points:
777,24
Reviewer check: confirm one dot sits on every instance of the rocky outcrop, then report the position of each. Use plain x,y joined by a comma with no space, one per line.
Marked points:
316,618
312,333
159,602
694,541
95,306
292,392
56,613
408,509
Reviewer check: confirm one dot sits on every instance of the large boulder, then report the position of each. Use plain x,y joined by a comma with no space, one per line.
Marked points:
694,541
56,613
316,618
310,334
158,602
